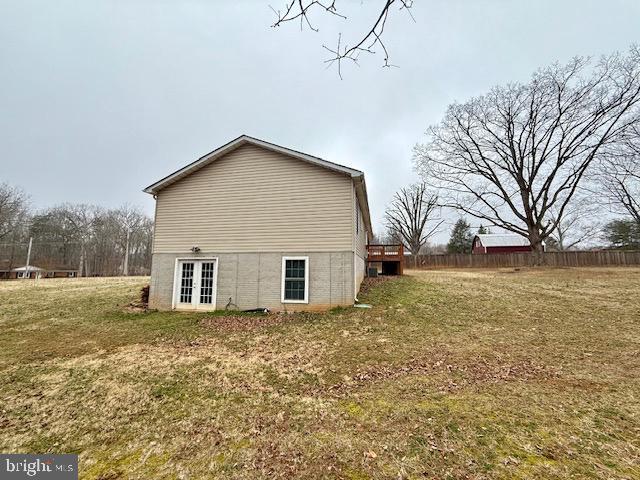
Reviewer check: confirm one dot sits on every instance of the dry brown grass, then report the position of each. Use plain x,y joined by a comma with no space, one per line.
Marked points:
452,374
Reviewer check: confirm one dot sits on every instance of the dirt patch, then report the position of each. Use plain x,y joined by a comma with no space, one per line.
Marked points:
243,323
136,307
142,304
484,372
481,371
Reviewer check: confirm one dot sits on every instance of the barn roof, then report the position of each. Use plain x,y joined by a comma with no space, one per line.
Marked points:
503,240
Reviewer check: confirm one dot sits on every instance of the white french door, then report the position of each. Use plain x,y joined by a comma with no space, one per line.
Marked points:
196,282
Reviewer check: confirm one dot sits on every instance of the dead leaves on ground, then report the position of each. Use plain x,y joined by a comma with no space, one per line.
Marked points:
479,371
242,323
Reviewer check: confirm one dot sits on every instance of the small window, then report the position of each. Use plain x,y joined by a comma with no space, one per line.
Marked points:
295,279
72,274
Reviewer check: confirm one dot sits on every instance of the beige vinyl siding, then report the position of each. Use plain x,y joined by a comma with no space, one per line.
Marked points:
360,232
256,200
360,245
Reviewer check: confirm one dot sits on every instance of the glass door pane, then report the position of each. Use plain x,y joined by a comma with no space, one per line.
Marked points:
186,282
206,283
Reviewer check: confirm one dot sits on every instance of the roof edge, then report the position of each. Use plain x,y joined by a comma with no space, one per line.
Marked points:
228,147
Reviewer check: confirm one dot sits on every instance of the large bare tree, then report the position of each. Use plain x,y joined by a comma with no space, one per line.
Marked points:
408,214
513,156
301,11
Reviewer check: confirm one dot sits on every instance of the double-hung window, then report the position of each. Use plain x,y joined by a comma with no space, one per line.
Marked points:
295,279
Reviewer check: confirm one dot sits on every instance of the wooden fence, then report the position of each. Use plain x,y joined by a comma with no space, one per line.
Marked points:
601,258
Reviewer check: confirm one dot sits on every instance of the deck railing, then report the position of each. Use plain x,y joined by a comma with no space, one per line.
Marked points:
383,253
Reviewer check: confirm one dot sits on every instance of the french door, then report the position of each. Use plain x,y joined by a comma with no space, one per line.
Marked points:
196,284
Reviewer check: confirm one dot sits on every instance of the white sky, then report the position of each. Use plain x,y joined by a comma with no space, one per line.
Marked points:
100,98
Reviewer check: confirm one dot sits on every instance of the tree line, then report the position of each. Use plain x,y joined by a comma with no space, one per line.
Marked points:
547,159
93,240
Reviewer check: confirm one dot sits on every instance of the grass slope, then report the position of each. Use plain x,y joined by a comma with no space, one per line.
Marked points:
469,374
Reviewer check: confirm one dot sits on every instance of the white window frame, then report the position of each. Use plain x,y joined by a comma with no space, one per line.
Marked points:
306,278
175,305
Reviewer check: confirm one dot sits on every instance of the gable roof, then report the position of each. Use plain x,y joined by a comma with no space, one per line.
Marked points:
28,268
356,175
503,240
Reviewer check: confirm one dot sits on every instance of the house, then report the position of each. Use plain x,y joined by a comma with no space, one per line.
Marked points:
500,243
28,271
31,271
256,225
61,273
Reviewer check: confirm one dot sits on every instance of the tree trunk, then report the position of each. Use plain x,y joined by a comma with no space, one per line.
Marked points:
81,263
414,250
537,248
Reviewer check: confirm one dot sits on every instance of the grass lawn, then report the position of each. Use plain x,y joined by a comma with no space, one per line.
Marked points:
452,374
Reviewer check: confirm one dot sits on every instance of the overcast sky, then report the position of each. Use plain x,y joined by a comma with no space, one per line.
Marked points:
98,98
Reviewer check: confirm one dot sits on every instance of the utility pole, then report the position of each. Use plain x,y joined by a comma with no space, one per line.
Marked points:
126,254
26,267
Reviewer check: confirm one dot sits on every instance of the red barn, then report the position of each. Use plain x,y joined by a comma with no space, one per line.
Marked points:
500,243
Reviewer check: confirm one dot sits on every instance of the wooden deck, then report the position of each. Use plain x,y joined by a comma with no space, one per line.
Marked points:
386,254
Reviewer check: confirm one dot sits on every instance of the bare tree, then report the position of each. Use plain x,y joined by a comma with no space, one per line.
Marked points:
300,10
129,219
87,237
619,176
14,207
56,240
578,224
391,236
408,214
81,219
517,154
141,245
